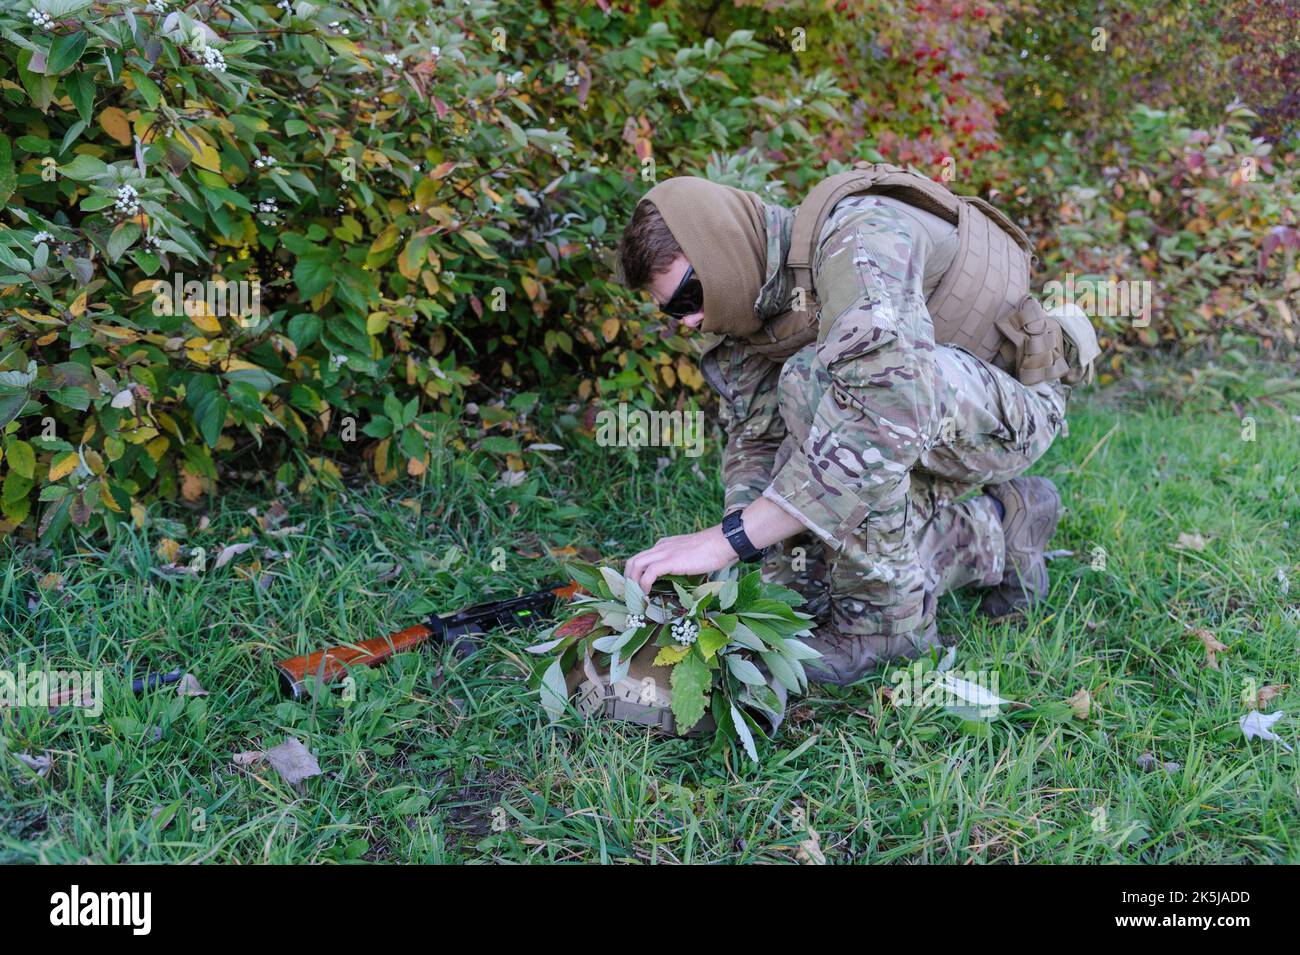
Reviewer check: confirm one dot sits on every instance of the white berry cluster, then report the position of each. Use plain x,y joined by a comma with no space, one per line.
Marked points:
685,632
635,621
152,243
268,211
41,19
128,201
156,6
285,5
335,25
213,59
392,59
264,162
42,236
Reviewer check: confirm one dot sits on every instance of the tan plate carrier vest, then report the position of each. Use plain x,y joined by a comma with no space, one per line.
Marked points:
982,303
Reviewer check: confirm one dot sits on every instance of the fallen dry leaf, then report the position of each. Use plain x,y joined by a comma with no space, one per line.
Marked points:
249,758
229,552
168,550
187,685
1267,694
810,849
1081,704
40,765
1148,763
1188,541
293,761
1211,644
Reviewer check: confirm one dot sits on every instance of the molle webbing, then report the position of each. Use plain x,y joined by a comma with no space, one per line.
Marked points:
978,305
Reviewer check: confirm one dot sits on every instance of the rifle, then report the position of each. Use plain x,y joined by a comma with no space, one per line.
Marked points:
457,630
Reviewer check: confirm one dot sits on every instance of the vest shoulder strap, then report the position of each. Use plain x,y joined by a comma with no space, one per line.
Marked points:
888,180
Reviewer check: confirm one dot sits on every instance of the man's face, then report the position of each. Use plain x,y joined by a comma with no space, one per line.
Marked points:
665,283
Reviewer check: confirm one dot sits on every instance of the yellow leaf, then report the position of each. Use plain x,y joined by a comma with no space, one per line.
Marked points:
609,328
167,549
63,465
205,154
376,322
115,123
157,447
480,244
204,320
385,240
668,656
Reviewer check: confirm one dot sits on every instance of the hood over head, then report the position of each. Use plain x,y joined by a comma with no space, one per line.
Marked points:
723,233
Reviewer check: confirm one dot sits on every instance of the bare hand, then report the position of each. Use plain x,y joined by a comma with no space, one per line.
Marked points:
699,553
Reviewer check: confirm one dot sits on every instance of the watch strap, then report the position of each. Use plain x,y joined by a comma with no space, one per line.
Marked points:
733,527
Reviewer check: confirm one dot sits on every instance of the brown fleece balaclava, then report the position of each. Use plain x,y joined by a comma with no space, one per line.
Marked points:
723,234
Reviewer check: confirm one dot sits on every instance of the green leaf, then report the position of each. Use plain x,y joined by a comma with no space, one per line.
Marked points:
727,596
711,641
496,444
147,87
313,273
742,731
203,394
8,177
554,692
21,458
84,167
782,670
744,670
690,681
586,575
121,239
65,51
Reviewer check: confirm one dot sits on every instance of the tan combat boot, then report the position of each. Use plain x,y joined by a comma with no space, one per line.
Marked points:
1032,509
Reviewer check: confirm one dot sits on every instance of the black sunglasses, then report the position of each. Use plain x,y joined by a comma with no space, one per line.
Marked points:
687,299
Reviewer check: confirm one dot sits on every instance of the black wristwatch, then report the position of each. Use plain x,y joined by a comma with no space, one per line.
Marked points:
734,530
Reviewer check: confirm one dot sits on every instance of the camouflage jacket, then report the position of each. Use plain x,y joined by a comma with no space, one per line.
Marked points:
853,456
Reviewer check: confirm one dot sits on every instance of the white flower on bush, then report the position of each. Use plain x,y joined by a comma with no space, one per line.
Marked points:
268,211
156,6
285,5
42,236
685,632
40,19
213,60
264,162
392,59
337,361
128,201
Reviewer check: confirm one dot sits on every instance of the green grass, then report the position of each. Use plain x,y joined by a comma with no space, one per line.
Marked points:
434,749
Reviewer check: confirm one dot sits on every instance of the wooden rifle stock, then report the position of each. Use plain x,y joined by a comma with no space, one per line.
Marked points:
331,665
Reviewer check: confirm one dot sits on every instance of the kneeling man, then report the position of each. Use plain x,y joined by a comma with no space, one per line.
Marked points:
858,435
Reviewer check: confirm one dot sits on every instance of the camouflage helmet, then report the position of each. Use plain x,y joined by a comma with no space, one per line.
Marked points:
643,696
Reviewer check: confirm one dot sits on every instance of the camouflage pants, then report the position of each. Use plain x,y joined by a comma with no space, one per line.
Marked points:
875,599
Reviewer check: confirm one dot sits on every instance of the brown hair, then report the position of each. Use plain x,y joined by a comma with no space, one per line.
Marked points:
647,247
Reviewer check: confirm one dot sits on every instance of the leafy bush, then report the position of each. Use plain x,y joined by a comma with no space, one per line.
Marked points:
1208,217
397,216
402,196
